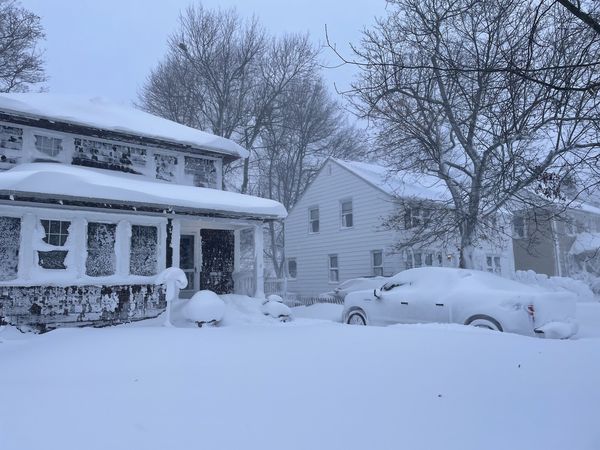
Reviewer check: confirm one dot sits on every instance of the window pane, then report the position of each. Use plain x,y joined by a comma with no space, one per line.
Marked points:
314,214
56,232
377,259
144,250
333,261
166,167
346,207
201,171
418,260
429,259
10,239
49,145
292,268
54,259
101,257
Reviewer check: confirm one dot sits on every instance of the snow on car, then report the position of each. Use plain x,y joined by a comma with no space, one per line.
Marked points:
470,297
355,284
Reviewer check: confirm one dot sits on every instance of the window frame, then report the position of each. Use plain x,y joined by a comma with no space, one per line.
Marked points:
524,233
311,220
333,269
374,268
343,216
493,263
52,137
50,247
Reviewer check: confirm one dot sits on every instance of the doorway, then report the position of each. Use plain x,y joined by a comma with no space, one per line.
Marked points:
217,267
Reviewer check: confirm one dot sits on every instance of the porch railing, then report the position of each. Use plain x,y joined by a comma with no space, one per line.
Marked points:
244,283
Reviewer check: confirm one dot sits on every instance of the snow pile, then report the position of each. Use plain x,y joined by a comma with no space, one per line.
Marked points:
322,311
581,290
72,182
273,306
101,113
204,307
586,243
310,385
173,275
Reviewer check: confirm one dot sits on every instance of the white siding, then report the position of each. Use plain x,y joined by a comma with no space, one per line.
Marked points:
353,245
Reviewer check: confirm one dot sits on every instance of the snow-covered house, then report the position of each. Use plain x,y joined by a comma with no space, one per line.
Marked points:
96,199
563,241
335,233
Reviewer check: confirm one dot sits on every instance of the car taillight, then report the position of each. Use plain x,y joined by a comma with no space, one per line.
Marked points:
531,310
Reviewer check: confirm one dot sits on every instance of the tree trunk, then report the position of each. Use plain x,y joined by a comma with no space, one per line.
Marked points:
246,175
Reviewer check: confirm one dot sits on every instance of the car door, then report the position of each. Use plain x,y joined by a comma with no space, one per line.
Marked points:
393,305
426,307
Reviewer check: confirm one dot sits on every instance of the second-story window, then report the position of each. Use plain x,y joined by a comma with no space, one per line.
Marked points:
519,227
202,172
347,214
416,217
313,220
50,146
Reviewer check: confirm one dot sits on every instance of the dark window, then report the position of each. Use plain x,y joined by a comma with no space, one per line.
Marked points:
292,268
101,257
54,259
166,167
313,218
57,232
10,239
144,250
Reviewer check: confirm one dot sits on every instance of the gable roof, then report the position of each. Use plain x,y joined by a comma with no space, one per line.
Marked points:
101,114
72,183
405,184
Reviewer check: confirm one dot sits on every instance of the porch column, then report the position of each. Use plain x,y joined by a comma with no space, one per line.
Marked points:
258,261
175,241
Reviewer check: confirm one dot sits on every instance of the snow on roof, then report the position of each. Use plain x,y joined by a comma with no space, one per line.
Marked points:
102,114
585,242
405,184
71,182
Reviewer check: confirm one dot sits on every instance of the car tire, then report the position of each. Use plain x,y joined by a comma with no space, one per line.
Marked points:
356,318
483,321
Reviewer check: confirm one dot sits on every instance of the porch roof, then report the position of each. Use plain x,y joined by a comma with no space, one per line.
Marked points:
71,183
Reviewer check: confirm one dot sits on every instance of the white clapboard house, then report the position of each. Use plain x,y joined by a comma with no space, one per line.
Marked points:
96,199
334,232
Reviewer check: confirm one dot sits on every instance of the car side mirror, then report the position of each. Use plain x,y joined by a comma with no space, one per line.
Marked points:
377,294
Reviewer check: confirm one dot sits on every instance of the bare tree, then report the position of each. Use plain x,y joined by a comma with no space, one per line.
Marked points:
305,127
434,81
224,74
21,63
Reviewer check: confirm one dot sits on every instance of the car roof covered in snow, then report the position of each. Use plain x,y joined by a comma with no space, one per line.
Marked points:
399,184
64,182
102,114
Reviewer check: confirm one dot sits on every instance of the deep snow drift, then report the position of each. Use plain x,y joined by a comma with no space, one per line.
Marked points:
303,385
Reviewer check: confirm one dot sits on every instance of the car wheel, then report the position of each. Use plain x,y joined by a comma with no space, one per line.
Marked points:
356,318
482,321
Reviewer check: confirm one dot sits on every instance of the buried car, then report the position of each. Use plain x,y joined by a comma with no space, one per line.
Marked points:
470,297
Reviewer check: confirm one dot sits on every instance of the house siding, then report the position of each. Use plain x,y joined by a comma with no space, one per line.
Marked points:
353,246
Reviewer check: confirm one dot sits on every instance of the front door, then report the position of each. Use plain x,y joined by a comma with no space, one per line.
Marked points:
217,260
187,261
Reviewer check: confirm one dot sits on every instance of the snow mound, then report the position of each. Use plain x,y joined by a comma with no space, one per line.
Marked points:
172,275
561,284
204,307
276,309
275,298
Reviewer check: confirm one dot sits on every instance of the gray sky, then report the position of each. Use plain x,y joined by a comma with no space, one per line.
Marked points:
107,47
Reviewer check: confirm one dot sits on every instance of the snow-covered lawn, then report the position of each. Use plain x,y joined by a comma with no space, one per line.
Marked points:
308,384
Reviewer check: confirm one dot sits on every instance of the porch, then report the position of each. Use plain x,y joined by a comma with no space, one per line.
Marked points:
221,255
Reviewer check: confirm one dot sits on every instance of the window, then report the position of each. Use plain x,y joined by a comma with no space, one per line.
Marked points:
493,264
313,218
292,269
50,146
334,271
144,250
519,228
105,155
10,240
429,259
347,219
414,217
202,171
56,233
101,256
165,167
377,263
11,144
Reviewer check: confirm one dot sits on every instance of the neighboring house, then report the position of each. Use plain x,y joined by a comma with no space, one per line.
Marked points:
559,243
334,231
97,199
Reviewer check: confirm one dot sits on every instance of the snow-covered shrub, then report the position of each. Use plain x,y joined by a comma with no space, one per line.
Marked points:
205,307
273,306
577,287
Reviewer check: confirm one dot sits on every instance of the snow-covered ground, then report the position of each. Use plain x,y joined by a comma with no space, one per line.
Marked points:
309,384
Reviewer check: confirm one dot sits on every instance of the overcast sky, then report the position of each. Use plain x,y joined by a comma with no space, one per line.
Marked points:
107,47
